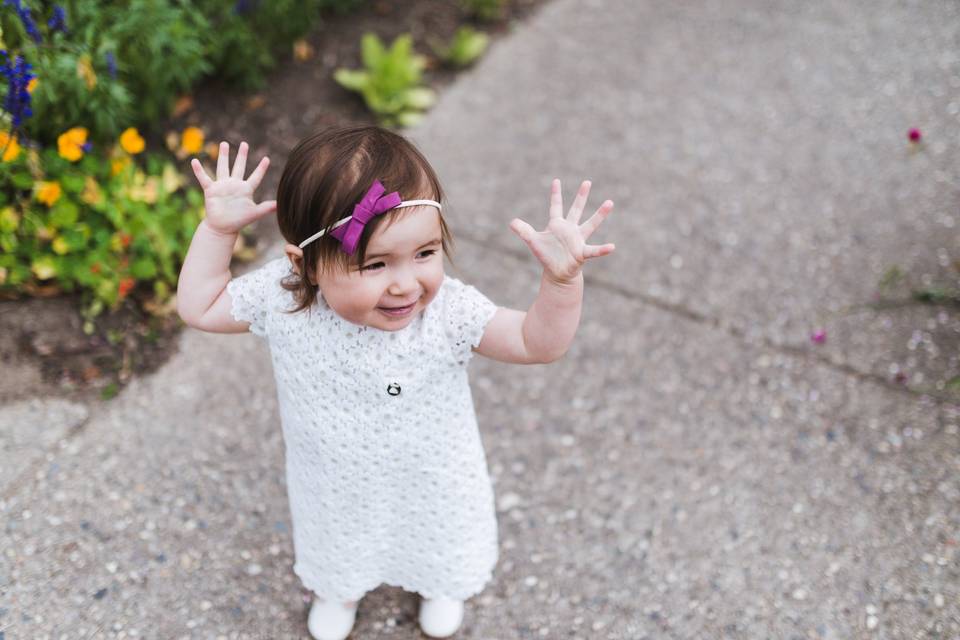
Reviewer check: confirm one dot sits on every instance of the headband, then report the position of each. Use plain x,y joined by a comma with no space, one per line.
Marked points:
374,203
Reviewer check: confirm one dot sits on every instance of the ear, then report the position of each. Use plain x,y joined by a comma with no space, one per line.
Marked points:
295,255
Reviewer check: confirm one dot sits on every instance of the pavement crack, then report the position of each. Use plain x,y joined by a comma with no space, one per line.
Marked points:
719,324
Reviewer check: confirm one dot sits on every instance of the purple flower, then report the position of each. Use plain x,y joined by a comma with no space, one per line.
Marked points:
111,63
819,336
17,102
28,24
245,6
86,146
58,21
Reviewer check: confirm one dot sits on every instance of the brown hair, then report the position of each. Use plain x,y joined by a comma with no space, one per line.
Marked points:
326,175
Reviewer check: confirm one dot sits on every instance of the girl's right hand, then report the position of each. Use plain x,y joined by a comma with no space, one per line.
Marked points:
229,198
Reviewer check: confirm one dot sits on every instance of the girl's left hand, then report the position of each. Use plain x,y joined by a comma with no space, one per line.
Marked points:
562,248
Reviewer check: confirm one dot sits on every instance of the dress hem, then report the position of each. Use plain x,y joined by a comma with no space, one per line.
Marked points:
426,593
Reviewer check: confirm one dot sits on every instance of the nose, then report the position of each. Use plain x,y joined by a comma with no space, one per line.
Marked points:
403,283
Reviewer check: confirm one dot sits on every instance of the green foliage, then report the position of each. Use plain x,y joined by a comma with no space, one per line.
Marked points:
100,225
246,35
124,62
467,45
389,82
484,9
120,63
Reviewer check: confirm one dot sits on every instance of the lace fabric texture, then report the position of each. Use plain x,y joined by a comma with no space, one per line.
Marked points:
384,487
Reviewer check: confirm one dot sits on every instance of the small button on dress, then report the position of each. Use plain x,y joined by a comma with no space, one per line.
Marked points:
386,473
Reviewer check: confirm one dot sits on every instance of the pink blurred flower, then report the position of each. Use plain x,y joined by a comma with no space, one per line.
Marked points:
914,135
819,336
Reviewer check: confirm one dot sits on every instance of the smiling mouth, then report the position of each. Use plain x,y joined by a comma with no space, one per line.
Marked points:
398,311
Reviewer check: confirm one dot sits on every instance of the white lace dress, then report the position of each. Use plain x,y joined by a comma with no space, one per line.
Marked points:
386,473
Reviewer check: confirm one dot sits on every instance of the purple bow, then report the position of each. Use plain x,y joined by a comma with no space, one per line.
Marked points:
372,204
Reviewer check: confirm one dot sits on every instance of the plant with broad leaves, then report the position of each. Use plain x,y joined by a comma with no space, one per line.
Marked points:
390,81
467,45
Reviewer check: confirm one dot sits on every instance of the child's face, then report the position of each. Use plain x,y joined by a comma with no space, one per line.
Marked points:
402,273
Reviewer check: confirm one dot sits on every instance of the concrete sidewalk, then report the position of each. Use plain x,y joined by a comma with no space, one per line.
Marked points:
695,467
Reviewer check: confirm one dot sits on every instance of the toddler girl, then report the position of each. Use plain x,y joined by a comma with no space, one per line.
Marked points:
386,474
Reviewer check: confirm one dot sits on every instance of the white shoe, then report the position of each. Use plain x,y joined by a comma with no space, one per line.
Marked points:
440,618
331,620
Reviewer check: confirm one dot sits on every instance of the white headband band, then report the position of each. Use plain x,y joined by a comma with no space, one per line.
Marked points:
339,223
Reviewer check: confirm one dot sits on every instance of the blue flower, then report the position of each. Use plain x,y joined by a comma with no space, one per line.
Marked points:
245,6
86,146
58,21
25,18
111,63
17,102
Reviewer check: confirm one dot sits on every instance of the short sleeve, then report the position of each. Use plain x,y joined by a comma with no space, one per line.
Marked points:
255,293
466,313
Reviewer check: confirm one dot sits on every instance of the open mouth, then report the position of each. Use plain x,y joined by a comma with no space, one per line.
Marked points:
398,312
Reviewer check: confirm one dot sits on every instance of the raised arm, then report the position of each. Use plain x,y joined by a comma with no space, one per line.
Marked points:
202,298
544,332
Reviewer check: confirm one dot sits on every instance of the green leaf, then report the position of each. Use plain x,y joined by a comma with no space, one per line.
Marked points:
371,50
71,183
22,180
409,118
353,80
64,213
420,98
143,269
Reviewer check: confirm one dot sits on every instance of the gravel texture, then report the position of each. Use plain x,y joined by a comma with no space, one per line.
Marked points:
695,467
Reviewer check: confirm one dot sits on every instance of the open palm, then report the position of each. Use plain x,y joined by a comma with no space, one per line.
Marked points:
562,247
228,199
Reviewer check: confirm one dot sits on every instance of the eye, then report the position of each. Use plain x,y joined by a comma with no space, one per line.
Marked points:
426,253
373,266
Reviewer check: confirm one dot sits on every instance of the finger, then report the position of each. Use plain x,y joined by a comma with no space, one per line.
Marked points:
591,225
258,172
576,209
524,230
201,174
597,251
240,164
223,161
556,199
265,208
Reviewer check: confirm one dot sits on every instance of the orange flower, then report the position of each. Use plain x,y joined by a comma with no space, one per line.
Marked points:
31,85
48,192
10,146
191,141
131,141
118,165
125,286
70,144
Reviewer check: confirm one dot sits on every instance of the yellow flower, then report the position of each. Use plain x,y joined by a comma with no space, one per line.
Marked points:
70,144
192,140
31,85
48,192
170,179
9,219
85,71
118,165
60,246
43,268
10,146
91,192
131,141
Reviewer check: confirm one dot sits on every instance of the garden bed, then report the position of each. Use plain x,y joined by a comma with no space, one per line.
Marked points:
43,347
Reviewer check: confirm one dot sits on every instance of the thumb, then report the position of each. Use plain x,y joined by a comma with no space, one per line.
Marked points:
265,208
523,230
